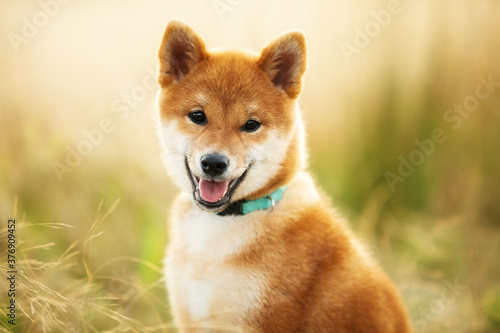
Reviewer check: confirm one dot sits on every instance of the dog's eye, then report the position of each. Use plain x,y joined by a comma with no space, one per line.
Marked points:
250,126
198,117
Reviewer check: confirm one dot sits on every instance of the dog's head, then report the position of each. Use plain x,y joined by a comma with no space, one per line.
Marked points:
229,123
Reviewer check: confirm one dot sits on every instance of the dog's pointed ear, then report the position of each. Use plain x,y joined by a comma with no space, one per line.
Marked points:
284,60
181,48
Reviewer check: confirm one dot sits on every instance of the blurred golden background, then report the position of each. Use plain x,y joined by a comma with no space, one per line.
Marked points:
402,105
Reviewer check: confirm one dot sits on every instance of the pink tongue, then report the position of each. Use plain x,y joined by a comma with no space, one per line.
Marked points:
212,191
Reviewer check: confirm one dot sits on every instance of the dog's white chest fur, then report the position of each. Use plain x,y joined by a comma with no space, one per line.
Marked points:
200,276
199,295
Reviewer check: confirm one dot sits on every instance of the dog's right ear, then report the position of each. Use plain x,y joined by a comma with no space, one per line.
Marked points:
181,48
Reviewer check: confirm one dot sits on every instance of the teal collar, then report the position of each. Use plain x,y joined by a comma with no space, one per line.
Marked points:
244,207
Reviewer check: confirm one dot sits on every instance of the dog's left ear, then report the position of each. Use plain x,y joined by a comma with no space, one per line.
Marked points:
181,48
284,60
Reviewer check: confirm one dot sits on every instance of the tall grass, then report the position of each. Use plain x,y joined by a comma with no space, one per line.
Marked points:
64,291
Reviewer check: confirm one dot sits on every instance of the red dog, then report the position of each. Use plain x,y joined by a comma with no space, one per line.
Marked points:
254,245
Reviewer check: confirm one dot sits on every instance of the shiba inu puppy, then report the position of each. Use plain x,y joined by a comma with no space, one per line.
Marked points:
254,246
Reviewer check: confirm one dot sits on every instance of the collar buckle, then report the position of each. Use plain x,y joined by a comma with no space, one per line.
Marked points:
244,207
272,202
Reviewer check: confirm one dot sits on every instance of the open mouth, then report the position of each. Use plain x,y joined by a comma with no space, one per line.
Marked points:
213,195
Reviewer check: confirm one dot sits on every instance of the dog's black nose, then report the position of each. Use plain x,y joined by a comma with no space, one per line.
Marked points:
214,165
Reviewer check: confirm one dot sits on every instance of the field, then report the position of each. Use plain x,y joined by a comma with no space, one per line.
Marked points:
401,101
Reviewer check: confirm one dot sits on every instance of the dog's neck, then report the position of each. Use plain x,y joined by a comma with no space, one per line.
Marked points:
243,207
